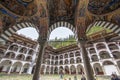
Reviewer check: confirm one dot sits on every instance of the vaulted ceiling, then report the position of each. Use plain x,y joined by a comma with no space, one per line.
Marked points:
44,13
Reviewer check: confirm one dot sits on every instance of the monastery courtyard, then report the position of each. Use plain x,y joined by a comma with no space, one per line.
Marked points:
45,77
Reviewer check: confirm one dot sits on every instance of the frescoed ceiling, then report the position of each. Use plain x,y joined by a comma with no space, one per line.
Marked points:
44,13
20,7
100,7
62,10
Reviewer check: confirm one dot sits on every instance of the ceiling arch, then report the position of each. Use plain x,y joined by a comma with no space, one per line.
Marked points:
63,24
9,32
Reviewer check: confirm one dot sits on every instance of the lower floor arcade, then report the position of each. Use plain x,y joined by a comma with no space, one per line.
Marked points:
98,68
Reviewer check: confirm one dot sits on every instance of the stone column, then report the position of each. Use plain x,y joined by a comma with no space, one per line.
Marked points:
21,69
30,70
86,61
36,75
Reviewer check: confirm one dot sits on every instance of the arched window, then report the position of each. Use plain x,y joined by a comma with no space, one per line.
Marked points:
10,55
104,55
72,61
116,54
71,55
13,47
31,52
66,55
20,57
113,46
92,50
100,46
94,58
23,50
77,53
78,60
29,58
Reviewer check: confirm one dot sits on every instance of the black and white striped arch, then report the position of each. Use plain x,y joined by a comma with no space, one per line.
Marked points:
108,25
6,34
62,24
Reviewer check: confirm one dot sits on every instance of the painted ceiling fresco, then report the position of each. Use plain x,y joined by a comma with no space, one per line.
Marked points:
44,13
62,10
100,7
20,7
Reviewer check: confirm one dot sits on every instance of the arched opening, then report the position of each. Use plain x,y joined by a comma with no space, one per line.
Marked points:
61,62
78,60
23,50
49,56
52,63
66,61
56,70
116,54
77,53
66,56
5,66
13,47
80,69
31,52
48,62
94,58
92,51
20,57
10,55
71,55
61,70
104,55
100,46
17,66
53,58
67,70
26,68
98,69
58,38
61,56
110,68
56,58
29,58
73,69
28,32
47,69
72,61
112,46
56,62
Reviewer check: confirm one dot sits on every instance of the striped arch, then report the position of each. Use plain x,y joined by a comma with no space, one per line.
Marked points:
63,24
108,25
6,34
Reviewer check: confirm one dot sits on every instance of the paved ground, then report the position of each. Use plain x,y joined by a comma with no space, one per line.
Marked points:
43,77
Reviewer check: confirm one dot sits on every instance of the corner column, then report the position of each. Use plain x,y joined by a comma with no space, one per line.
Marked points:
36,75
86,61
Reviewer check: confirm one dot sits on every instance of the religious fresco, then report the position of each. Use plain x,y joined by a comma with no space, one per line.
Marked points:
61,10
20,7
42,11
43,19
6,19
82,8
100,7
